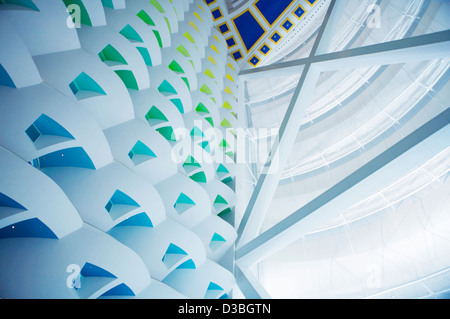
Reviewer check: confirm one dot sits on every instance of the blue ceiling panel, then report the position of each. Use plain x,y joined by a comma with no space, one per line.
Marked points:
249,29
272,10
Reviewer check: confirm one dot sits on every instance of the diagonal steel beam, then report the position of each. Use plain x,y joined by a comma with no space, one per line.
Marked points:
423,47
417,147
267,183
264,190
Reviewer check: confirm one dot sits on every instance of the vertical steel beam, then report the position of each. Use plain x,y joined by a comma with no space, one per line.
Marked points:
414,149
263,193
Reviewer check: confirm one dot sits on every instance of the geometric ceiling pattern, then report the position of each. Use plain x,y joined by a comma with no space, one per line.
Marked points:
258,31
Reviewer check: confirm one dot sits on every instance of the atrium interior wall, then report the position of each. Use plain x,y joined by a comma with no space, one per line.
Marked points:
110,187
171,149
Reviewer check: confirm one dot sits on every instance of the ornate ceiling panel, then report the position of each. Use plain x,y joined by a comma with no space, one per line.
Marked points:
255,29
